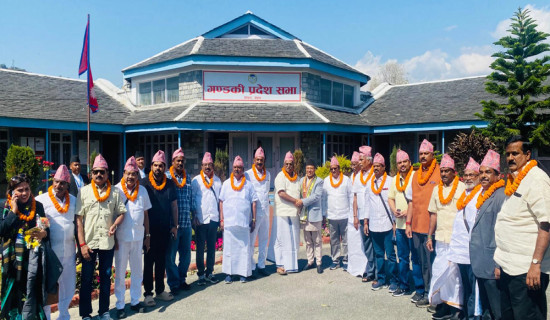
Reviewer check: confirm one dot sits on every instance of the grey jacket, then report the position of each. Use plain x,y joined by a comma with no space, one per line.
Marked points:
482,241
313,203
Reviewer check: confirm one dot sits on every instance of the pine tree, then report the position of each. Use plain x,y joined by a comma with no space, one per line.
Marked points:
519,76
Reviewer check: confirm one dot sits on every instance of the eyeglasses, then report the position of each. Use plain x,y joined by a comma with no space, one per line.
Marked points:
333,169
96,172
470,175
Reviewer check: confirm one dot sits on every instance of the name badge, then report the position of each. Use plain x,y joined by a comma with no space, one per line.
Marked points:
517,194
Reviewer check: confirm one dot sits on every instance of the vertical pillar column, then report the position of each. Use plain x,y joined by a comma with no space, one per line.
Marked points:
47,155
324,148
442,141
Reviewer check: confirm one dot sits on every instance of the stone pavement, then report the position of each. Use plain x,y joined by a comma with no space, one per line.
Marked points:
306,295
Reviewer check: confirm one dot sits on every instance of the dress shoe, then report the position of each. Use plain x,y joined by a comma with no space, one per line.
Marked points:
308,266
319,269
120,314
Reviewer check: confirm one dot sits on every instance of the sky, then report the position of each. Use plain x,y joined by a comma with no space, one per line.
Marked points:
433,40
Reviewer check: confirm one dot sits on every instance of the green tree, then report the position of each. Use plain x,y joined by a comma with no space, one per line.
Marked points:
520,71
23,160
221,163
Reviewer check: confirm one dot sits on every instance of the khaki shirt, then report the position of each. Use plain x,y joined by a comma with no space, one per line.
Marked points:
446,214
517,225
284,208
99,216
399,197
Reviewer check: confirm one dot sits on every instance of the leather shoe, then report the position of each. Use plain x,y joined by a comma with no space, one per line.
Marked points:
262,272
319,269
185,286
139,308
120,314
308,266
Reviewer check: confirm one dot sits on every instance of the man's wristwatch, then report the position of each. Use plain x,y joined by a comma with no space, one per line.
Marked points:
148,235
535,261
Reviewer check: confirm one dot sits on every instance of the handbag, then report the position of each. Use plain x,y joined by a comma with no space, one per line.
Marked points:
393,238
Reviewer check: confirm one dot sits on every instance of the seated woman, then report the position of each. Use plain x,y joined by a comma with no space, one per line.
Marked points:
23,234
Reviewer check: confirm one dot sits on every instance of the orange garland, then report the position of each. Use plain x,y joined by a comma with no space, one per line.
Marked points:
377,191
96,193
364,182
183,181
131,197
243,180
154,183
288,177
423,179
256,174
341,178
31,213
463,200
354,174
56,204
511,187
444,201
487,194
398,180
207,185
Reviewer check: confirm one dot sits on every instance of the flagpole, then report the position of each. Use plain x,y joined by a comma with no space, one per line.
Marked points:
89,111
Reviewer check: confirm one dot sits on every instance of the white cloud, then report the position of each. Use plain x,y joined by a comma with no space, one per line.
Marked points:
541,16
369,63
449,28
431,65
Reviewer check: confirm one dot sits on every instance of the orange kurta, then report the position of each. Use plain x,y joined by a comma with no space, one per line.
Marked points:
421,198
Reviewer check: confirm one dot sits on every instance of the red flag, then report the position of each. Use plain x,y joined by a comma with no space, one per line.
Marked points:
85,66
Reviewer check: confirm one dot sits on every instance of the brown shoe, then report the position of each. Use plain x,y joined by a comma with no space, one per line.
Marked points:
281,271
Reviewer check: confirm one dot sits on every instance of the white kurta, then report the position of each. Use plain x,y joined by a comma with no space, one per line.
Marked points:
237,215
357,260
262,217
459,250
63,244
338,200
446,284
130,236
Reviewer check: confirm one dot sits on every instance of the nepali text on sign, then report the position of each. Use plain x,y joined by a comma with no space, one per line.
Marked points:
247,86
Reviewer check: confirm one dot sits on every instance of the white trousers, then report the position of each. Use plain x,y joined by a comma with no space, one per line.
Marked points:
236,249
128,251
287,243
67,284
446,284
261,231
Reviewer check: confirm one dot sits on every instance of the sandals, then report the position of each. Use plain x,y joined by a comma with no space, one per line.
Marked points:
281,271
165,296
366,279
149,301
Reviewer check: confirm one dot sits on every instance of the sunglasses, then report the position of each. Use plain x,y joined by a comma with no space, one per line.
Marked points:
96,172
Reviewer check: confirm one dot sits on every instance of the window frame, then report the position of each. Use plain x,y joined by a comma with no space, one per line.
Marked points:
152,91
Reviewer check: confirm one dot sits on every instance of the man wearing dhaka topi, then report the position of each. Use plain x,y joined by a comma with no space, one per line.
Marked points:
238,203
522,233
260,179
287,192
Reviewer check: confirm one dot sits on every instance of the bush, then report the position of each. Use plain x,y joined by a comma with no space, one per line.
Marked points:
393,160
345,166
299,162
220,163
23,160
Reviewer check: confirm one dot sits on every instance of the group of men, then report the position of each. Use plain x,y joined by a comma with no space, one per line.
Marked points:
480,233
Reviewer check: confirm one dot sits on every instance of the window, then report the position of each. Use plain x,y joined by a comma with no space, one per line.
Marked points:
248,31
61,148
336,93
159,91
338,144
150,144
433,138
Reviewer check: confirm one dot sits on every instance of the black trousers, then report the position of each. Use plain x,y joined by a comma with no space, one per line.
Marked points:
422,259
469,290
155,258
520,303
206,233
489,294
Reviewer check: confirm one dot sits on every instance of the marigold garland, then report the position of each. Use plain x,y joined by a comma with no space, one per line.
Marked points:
398,186
96,193
364,182
22,216
56,203
243,180
420,176
463,200
154,183
260,179
183,181
293,178
132,197
511,187
341,178
377,191
444,201
488,193
207,185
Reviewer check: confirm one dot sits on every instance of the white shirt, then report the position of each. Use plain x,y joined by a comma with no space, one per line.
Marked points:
131,228
61,225
78,180
338,199
459,249
376,213
237,205
359,189
142,173
206,203
262,191
284,208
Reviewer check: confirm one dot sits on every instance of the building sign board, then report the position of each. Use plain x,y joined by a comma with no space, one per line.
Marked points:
252,86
